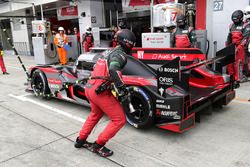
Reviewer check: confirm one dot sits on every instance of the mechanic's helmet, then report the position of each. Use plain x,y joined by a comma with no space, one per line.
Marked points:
181,20
237,17
247,12
122,25
126,39
88,29
60,29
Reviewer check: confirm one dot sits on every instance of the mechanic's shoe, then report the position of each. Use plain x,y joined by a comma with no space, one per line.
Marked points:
6,73
236,84
100,150
244,79
82,143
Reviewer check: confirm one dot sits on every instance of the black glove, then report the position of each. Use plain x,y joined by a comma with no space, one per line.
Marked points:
122,91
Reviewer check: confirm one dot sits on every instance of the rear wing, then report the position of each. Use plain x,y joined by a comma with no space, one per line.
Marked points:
160,56
223,57
171,73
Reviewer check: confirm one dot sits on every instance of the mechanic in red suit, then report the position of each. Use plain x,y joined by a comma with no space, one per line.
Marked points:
100,97
88,39
247,22
2,61
238,35
183,36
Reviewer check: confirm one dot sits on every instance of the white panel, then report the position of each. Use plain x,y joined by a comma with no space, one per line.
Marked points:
156,40
222,20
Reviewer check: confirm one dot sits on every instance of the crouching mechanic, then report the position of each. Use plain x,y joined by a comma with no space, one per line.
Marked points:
107,72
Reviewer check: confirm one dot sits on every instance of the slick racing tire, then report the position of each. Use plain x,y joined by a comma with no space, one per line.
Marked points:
39,84
143,116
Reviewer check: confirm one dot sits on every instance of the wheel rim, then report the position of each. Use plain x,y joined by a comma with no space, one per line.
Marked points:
38,85
141,111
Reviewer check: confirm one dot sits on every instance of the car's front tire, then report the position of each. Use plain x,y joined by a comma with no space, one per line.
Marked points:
39,84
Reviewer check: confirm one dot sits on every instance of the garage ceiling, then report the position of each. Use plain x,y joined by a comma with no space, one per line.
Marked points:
3,1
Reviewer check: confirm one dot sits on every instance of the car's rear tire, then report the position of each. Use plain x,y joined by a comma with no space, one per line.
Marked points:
143,117
39,84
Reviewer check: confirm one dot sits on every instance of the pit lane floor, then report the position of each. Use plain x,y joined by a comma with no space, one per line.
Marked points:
37,132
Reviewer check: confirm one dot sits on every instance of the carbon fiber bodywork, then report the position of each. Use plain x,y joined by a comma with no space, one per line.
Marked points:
176,112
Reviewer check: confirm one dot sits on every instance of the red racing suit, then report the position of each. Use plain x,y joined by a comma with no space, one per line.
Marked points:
88,41
247,52
238,35
104,102
1,59
183,37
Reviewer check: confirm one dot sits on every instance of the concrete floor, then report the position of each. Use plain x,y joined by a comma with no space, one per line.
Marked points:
40,133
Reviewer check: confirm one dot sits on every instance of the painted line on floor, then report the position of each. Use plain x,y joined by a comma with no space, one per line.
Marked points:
13,67
241,100
25,99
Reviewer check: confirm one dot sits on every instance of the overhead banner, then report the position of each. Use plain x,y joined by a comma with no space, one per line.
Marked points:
67,13
146,2
139,5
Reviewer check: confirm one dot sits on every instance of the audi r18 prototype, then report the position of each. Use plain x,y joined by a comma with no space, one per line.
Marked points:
196,87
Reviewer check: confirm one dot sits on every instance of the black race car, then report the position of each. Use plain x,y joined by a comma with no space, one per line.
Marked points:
197,88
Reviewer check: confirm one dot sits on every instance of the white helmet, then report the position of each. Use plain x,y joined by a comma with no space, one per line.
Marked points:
247,12
88,29
60,29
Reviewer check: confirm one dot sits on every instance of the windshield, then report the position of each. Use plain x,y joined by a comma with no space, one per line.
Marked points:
136,67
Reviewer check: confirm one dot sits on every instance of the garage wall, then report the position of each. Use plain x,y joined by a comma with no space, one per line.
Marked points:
93,17
222,20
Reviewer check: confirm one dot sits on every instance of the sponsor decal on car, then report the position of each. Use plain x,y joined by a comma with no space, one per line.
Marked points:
161,56
162,106
169,109
172,114
54,83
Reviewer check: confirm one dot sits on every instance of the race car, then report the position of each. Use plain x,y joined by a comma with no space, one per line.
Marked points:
197,86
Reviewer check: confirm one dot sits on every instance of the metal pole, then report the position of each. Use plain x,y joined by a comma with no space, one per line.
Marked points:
117,15
103,14
214,55
41,6
151,16
110,17
34,10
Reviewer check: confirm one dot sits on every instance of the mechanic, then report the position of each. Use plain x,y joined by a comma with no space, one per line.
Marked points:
100,97
77,33
2,61
88,39
183,36
60,40
238,35
114,41
247,51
